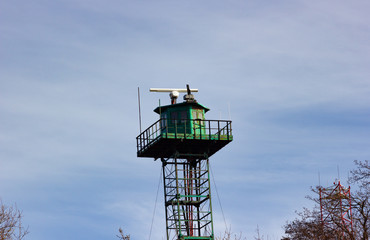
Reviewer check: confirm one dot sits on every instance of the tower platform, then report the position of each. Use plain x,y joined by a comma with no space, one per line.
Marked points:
184,137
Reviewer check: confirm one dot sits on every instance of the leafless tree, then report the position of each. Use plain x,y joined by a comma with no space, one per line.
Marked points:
122,236
11,227
308,225
361,215
361,175
229,236
259,236
360,201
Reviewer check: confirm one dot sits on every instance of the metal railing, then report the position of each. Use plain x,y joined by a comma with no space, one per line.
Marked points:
184,129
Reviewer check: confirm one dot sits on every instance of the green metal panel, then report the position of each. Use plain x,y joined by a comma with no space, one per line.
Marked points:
176,119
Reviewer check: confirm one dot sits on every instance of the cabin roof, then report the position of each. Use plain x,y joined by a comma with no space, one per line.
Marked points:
164,108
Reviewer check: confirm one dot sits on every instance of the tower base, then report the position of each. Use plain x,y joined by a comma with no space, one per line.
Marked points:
187,197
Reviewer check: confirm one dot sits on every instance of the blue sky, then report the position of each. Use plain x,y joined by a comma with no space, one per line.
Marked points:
294,73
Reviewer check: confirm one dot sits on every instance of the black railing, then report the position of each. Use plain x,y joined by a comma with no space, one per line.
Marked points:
184,129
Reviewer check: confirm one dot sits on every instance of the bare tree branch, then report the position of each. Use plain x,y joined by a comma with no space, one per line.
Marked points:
122,236
11,227
309,226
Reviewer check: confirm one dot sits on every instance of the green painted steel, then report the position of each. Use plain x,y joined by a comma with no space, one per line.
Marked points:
187,198
218,133
176,116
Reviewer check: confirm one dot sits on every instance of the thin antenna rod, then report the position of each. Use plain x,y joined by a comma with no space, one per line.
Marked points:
138,99
228,106
160,109
338,172
319,180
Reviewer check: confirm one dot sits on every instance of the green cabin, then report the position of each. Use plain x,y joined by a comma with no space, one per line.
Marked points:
182,118
182,128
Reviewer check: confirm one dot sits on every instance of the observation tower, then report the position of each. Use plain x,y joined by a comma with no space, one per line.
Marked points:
184,140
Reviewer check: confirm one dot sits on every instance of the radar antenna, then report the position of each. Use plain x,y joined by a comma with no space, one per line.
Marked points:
175,93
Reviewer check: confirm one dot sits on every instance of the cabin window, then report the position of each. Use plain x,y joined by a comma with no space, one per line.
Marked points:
183,116
163,120
173,117
194,113
198,115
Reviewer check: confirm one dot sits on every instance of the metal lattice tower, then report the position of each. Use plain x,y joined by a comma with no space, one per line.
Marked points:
184,141
187,198
336,208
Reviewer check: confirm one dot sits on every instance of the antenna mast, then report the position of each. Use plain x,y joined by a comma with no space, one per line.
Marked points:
138,99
